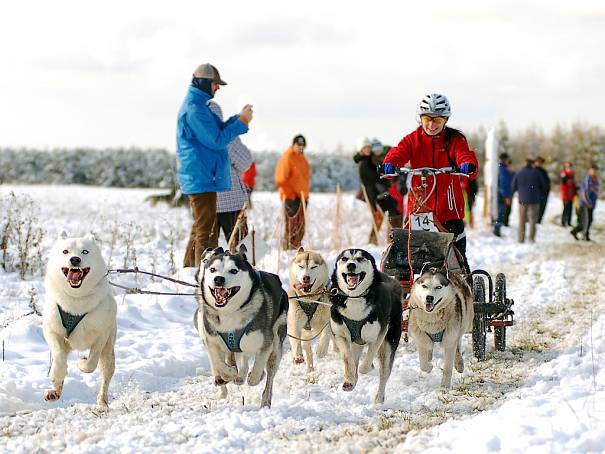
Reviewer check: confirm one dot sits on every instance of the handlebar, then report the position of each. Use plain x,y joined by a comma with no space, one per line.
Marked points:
424,171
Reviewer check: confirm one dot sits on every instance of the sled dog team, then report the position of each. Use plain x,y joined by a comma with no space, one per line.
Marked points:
244,315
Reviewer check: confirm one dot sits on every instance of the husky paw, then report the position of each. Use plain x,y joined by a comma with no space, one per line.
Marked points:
253,381
298,360
219,381
228,373
365,368
428,367
102,403
52,394
239,381
84,365
347,386
321,352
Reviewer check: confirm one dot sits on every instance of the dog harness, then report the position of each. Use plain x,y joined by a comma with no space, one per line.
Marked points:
309,310
354,327
437,337
69,321
232,339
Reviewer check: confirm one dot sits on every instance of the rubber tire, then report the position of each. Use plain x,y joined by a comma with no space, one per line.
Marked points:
500,298
479,321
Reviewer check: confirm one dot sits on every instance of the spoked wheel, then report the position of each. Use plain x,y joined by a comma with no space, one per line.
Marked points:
500,298
479,321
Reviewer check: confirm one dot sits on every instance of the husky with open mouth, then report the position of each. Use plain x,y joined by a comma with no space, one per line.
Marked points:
441,310
366,312
80,313
242,314
309,279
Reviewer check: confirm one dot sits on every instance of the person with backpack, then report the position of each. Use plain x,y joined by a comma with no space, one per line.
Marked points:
587,200
433,144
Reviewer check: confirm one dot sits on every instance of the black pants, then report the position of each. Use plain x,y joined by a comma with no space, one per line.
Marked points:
584,216
542,208
566,216
226,222
456,226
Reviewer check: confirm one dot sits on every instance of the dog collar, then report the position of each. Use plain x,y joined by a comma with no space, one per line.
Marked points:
233,338
69,321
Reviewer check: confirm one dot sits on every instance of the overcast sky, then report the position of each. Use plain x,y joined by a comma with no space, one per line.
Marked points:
114,73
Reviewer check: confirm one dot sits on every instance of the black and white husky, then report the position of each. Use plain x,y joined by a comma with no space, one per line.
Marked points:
366,311
242,313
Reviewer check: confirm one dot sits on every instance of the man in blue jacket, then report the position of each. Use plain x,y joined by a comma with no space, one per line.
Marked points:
587,199
530,184
505,191
202,157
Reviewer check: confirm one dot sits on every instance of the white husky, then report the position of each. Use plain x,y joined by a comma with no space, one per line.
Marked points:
309,277
79,313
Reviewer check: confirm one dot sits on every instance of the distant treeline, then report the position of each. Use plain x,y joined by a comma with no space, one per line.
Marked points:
146,168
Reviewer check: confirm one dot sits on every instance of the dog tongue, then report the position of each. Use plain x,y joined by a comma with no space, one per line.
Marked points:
352,280
298,286
74,276
430,307
221,293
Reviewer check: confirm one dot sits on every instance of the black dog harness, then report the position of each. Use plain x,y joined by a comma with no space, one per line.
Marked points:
232,339
437,337
69,321
354,327
309,310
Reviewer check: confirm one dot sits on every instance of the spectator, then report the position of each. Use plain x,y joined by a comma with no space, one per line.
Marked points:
538,164
568,192
202,157
433,144
587,199
293,178
230,203
379,197
505,192
249,180
530,185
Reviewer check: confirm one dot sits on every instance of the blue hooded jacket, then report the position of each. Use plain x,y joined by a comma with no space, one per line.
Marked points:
505,181
201,151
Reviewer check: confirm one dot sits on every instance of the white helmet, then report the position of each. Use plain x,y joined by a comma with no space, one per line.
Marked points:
377,147
363,142
434,104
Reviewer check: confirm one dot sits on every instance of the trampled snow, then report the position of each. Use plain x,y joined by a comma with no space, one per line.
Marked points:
545,393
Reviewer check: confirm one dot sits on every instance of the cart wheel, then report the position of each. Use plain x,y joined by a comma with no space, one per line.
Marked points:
479,322
500,298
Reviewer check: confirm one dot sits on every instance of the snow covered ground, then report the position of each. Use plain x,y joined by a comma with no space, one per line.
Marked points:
545,393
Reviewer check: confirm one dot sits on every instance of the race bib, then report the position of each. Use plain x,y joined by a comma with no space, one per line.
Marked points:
423,221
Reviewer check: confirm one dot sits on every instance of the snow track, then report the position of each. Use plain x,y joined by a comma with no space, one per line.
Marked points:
162,397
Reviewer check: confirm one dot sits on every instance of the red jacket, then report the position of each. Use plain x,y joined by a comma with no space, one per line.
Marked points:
568,185
249,176
422,150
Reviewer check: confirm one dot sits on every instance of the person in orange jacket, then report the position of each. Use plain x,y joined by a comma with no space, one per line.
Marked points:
293,178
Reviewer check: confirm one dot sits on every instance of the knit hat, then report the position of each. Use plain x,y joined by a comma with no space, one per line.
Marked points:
299,139
207,71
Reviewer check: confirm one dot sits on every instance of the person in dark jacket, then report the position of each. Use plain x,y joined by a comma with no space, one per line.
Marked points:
505,192
587,200
203,167
530,184
376,189
538,164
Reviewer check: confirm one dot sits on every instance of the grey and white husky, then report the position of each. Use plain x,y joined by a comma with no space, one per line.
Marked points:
441,310
309,279
242,314
366,311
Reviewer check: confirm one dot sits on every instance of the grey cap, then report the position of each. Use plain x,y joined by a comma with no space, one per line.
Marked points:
207,71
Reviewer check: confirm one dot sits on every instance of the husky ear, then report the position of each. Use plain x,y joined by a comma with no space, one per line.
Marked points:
242,251
300,249
424,265
219,250
63,235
